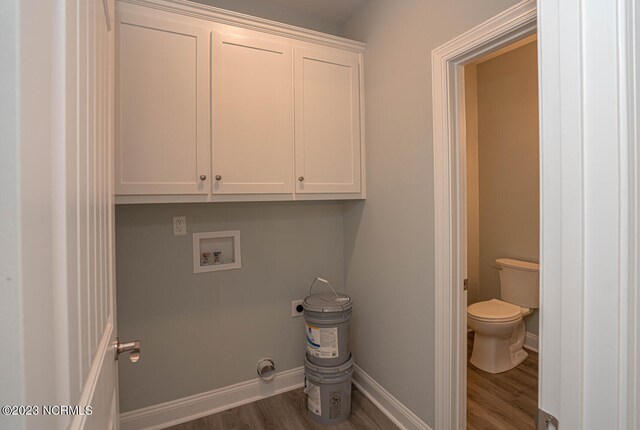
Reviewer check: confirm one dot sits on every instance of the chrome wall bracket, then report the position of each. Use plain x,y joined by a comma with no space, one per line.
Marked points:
133,348
544,419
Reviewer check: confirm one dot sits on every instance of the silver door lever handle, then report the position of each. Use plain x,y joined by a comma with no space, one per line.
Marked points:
133,348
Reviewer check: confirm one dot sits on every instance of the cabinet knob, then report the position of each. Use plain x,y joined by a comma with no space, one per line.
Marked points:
301,178
218,177
203,177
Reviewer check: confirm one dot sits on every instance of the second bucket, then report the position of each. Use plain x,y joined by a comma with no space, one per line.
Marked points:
329,392
327,324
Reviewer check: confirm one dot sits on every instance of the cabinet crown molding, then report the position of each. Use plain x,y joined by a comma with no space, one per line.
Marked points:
214,14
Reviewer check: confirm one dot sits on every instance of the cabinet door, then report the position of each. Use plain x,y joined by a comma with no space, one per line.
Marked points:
252,116
327,112
162,107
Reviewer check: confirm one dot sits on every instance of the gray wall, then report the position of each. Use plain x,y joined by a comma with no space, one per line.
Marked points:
206,331
267,11
508,165
389,254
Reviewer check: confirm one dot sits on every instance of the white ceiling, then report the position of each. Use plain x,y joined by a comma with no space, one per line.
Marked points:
335,11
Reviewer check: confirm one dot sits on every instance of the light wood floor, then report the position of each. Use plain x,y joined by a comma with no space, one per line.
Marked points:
505,401
288,411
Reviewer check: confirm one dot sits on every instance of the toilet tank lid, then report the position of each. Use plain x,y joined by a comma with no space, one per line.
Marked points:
518,264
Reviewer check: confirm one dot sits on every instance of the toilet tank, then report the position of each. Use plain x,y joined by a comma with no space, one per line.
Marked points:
519,282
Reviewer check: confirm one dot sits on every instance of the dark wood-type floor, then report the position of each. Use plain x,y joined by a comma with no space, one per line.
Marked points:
505,401
288,411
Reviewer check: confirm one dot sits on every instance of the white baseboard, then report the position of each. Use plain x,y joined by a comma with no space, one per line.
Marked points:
179,411
531,342
200,405
389,405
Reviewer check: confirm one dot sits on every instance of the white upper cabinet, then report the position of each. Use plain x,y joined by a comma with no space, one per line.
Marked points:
162,107
328,147
212,106
252,89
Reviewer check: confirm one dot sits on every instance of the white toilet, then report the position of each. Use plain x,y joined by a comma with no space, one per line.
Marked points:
498,324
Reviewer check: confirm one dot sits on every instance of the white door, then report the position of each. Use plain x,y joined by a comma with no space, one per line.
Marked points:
588,93
90,248
252,115
62,203
162,106
327,111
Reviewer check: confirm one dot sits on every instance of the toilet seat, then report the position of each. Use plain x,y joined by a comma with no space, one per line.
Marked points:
495,310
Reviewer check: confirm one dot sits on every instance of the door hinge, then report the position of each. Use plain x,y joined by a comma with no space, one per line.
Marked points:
465,284
544,419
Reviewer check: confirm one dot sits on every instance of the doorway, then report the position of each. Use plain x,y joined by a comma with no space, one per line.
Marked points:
450,194
503,227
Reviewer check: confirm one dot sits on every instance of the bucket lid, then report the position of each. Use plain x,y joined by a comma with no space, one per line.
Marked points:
327,302
329,370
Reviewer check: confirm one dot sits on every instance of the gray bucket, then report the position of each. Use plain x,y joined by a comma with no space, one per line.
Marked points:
327,323
328,392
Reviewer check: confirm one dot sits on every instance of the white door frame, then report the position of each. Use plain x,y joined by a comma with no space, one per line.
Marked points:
450,199
588,78
633,403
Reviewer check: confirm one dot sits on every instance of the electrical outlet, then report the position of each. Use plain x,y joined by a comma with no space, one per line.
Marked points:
179,225
296,308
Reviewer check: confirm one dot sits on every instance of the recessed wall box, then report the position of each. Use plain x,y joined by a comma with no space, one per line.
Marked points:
216,250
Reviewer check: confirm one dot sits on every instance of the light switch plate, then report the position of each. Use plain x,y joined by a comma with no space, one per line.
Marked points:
179,225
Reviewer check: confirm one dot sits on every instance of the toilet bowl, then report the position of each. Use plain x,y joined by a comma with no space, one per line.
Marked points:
499,335
498,324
